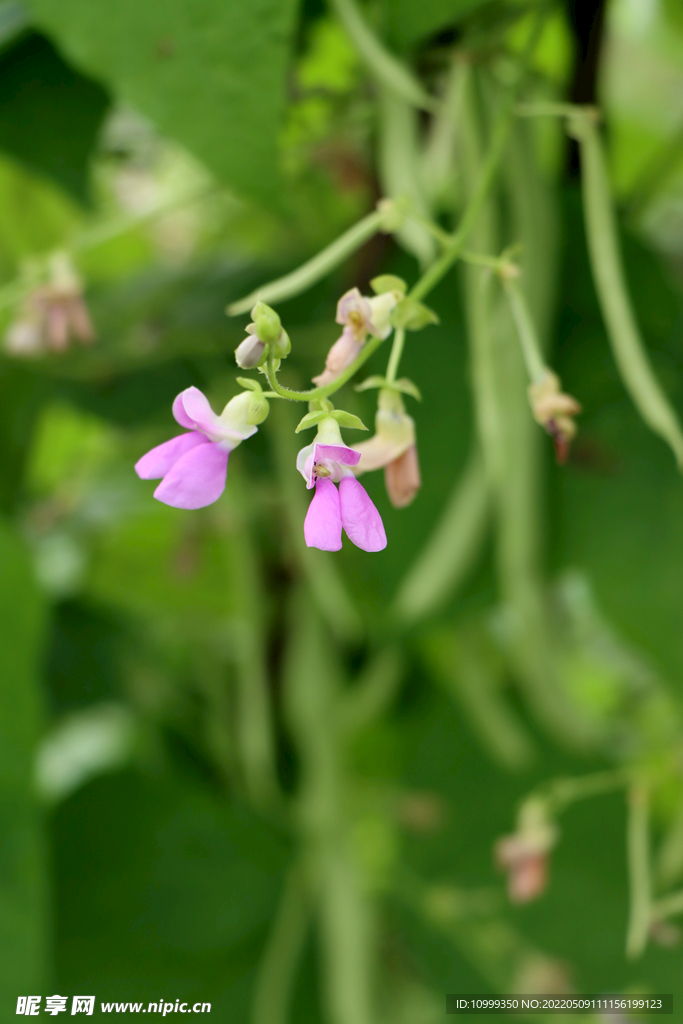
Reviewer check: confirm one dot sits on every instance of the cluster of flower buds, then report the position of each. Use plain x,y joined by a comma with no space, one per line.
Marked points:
555,411
265,337
360,316
524,855
51,314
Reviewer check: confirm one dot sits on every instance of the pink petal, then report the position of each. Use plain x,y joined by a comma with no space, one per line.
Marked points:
157,462
337,453
195,480
323,525
360,518
192,410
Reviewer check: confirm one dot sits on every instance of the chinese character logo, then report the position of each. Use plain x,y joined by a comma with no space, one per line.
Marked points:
83,1004
28,1005
55,1005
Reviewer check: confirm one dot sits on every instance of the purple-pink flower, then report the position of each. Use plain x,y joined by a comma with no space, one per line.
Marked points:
348,507
193,467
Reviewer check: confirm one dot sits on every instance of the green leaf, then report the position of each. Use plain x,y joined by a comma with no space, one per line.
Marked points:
388,283
347,419
370,382
248,383
406,387
51,114
209,74
413,316
408,22
311,419
23,924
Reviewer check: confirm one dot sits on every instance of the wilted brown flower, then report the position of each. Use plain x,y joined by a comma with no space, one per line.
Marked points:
524,855
393,448
554,410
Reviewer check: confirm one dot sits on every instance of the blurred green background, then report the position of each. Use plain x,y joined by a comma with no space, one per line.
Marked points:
183,152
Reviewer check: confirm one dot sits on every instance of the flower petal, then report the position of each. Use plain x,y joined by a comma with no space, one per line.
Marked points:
360,518
323,525
195,480
337,453
192,410
160,460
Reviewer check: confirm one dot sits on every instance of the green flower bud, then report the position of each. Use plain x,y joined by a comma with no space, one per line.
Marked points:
258,408
267,323
283,346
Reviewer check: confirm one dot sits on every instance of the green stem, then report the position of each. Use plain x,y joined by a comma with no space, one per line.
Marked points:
561,793
396,353
315,268
277,970
638,853
528,339
389,70
368,349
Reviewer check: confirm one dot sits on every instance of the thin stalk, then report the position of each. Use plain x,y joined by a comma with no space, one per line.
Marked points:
314,269
561,793
395,355
526,331
368,349
387,68
638,855
277,970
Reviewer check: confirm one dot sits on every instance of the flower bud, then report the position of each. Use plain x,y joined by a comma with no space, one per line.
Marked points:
267,323
258,408
283,346
250,353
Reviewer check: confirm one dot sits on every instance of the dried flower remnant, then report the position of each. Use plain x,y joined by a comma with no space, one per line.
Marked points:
193,466
51,314
322,464
555,411
393,448
359,316
524,855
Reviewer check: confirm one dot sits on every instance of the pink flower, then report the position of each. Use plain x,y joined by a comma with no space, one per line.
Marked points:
360,316
194,466
350,507
524,854
393,447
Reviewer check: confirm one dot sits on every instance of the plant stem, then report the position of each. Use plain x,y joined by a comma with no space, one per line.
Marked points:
368,349
396,353
315,268
277,970
638,853
528,339
560,793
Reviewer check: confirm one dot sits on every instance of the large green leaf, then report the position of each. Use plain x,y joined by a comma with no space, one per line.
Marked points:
49,114
208,73
22,861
